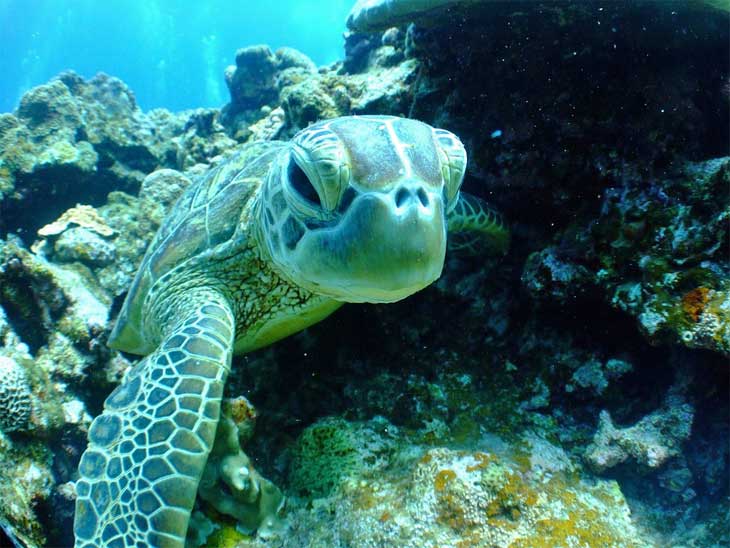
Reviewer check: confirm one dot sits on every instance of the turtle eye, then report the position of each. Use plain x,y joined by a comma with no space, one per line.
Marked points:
301,183
452,156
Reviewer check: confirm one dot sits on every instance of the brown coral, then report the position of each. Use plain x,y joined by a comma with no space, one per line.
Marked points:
694,302
442,479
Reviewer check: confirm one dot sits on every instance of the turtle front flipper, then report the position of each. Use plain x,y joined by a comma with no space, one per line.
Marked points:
147,450
475,228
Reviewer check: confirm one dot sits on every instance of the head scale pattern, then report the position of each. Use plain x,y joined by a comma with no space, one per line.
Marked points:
355,207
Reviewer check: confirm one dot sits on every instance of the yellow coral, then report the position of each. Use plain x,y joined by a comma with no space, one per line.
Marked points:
482,461
443,478
81,215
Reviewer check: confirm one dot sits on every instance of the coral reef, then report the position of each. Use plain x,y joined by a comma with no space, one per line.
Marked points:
231,484
15,401
332,451
572,393
251,81
273,95
653,440
679,293
78,140
256,82
443,497
26,479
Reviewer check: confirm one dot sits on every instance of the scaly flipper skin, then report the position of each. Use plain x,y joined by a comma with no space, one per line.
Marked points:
148,449
475,228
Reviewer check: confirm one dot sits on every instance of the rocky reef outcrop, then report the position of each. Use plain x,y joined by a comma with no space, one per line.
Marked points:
574,392
74,140
438,496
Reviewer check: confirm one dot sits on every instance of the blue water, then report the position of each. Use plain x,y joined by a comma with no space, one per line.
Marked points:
172,53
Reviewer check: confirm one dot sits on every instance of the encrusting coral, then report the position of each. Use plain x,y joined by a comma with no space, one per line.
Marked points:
16,405
333,450
443,497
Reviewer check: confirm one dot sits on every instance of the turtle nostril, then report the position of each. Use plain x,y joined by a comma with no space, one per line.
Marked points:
422,197
401,197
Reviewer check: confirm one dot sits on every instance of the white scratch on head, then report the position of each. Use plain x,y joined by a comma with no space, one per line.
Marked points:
400,148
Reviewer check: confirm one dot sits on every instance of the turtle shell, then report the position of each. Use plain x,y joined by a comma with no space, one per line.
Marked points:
204,217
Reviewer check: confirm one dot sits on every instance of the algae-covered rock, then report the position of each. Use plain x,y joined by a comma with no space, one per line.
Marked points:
159,192
80,234
596,376
81,244
43,300
443,497
308,101
202,138
681,291
386,90
109,241
39,305
252,85
69,135
269,127
251,81
289,58
26,478
332,451
547,276
262,83
77,140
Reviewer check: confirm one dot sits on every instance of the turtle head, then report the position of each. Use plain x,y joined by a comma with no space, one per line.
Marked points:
356,208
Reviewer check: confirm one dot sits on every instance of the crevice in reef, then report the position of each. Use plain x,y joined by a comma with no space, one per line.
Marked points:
23,312
67,188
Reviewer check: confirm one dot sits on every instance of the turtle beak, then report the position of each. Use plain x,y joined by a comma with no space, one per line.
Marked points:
386,247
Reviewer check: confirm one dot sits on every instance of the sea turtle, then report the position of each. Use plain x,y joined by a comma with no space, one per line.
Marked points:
276,238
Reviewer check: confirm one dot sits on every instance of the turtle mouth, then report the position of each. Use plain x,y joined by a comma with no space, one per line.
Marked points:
384,248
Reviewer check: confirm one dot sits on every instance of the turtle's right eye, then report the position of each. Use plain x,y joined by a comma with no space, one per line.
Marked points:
301,183
452,156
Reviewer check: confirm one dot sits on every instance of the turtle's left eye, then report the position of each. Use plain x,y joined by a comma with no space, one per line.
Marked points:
301,183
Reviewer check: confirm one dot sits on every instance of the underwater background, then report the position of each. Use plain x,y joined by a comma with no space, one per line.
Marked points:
572,392
172,53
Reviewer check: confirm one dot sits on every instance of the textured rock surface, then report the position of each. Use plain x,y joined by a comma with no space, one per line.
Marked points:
651,441
372,15
255,84
333,451
74,140
436,496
